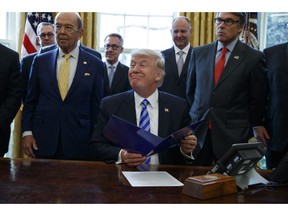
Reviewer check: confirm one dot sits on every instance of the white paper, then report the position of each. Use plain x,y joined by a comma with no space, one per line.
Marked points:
151,179
250,178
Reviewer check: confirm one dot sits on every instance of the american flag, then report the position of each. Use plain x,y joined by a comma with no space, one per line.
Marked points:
29,44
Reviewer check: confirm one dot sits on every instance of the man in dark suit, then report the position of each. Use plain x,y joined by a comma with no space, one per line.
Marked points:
116,79
55,125
168,113
10,93
237,101
277,109
45,37
175,81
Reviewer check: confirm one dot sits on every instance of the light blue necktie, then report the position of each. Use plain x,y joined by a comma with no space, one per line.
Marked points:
145,121
111,74
180,62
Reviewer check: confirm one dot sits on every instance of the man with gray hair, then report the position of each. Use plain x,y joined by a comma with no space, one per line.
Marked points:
167,114
229,79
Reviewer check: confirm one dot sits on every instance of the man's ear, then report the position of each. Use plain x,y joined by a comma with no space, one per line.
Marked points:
37,41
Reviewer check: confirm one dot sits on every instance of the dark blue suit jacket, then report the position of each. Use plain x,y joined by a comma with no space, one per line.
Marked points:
10,93
277,109
236,103
27,60
173,115
174,84
120,82
71,121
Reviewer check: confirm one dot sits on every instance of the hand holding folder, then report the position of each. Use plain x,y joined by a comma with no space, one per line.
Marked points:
137,140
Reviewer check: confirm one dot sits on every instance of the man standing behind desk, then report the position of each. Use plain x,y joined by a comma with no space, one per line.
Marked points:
45,37
116,77
175,78
167,114
10,93
277,108
237,100
56,123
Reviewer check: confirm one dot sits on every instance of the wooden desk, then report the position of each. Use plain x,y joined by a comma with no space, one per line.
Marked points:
52,181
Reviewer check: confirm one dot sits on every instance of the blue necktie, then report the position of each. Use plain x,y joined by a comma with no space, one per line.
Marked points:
145,121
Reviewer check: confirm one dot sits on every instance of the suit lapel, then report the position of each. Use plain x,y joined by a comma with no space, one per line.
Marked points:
236,57
164,116
127,108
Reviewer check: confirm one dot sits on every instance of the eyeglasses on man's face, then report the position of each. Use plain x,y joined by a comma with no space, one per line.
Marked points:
113,46
49,35
67,28
227,21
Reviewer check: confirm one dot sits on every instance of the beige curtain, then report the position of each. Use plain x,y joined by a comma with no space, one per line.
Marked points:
203,28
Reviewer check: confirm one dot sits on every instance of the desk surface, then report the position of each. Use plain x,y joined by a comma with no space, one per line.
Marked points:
55,181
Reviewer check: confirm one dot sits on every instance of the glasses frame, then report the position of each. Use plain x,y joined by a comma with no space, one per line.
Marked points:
227,22
113,46
49,35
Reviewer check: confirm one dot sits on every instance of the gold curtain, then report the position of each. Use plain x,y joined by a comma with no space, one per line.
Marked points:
203,28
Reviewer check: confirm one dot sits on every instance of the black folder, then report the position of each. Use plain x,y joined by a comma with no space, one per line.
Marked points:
137,140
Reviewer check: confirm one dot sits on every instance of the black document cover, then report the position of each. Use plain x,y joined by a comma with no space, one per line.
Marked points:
134,139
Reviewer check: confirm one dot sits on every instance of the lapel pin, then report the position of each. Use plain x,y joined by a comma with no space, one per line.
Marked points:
84,62
86,74
236,57
166,109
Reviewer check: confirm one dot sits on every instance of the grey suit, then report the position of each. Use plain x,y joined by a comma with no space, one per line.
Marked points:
236,103
173,115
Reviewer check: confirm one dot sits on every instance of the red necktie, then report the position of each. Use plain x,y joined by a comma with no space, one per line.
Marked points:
218,71
220,65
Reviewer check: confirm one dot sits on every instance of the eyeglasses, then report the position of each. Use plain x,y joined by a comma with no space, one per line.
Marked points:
67,28
227,21
113,46
49,35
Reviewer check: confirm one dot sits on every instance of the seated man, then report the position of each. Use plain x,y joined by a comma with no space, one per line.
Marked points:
167,114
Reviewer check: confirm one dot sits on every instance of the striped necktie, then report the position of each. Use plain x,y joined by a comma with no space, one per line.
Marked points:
145,121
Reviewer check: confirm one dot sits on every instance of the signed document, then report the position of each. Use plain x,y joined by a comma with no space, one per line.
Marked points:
137,140
151,179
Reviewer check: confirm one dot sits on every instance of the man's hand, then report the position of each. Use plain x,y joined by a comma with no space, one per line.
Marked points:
28,144
132,159
188,144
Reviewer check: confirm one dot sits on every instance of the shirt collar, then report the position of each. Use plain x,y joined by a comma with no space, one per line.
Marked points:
153,99
115,65
74,53
185,50
230,46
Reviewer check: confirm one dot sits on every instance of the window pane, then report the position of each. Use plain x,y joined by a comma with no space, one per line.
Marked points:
277,30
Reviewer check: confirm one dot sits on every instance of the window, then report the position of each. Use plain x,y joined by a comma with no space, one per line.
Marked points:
144,30
274,29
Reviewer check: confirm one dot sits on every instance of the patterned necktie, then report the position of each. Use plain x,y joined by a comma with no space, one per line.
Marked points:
180,62
63,78
111,74
220,65
145,121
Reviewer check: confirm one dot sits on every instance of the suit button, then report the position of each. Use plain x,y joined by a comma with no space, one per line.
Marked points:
211,108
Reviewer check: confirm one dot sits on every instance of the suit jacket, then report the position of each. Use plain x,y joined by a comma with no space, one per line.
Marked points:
238,100
277,108
10,93
173,115
71,121
27,61
174,84
120,82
